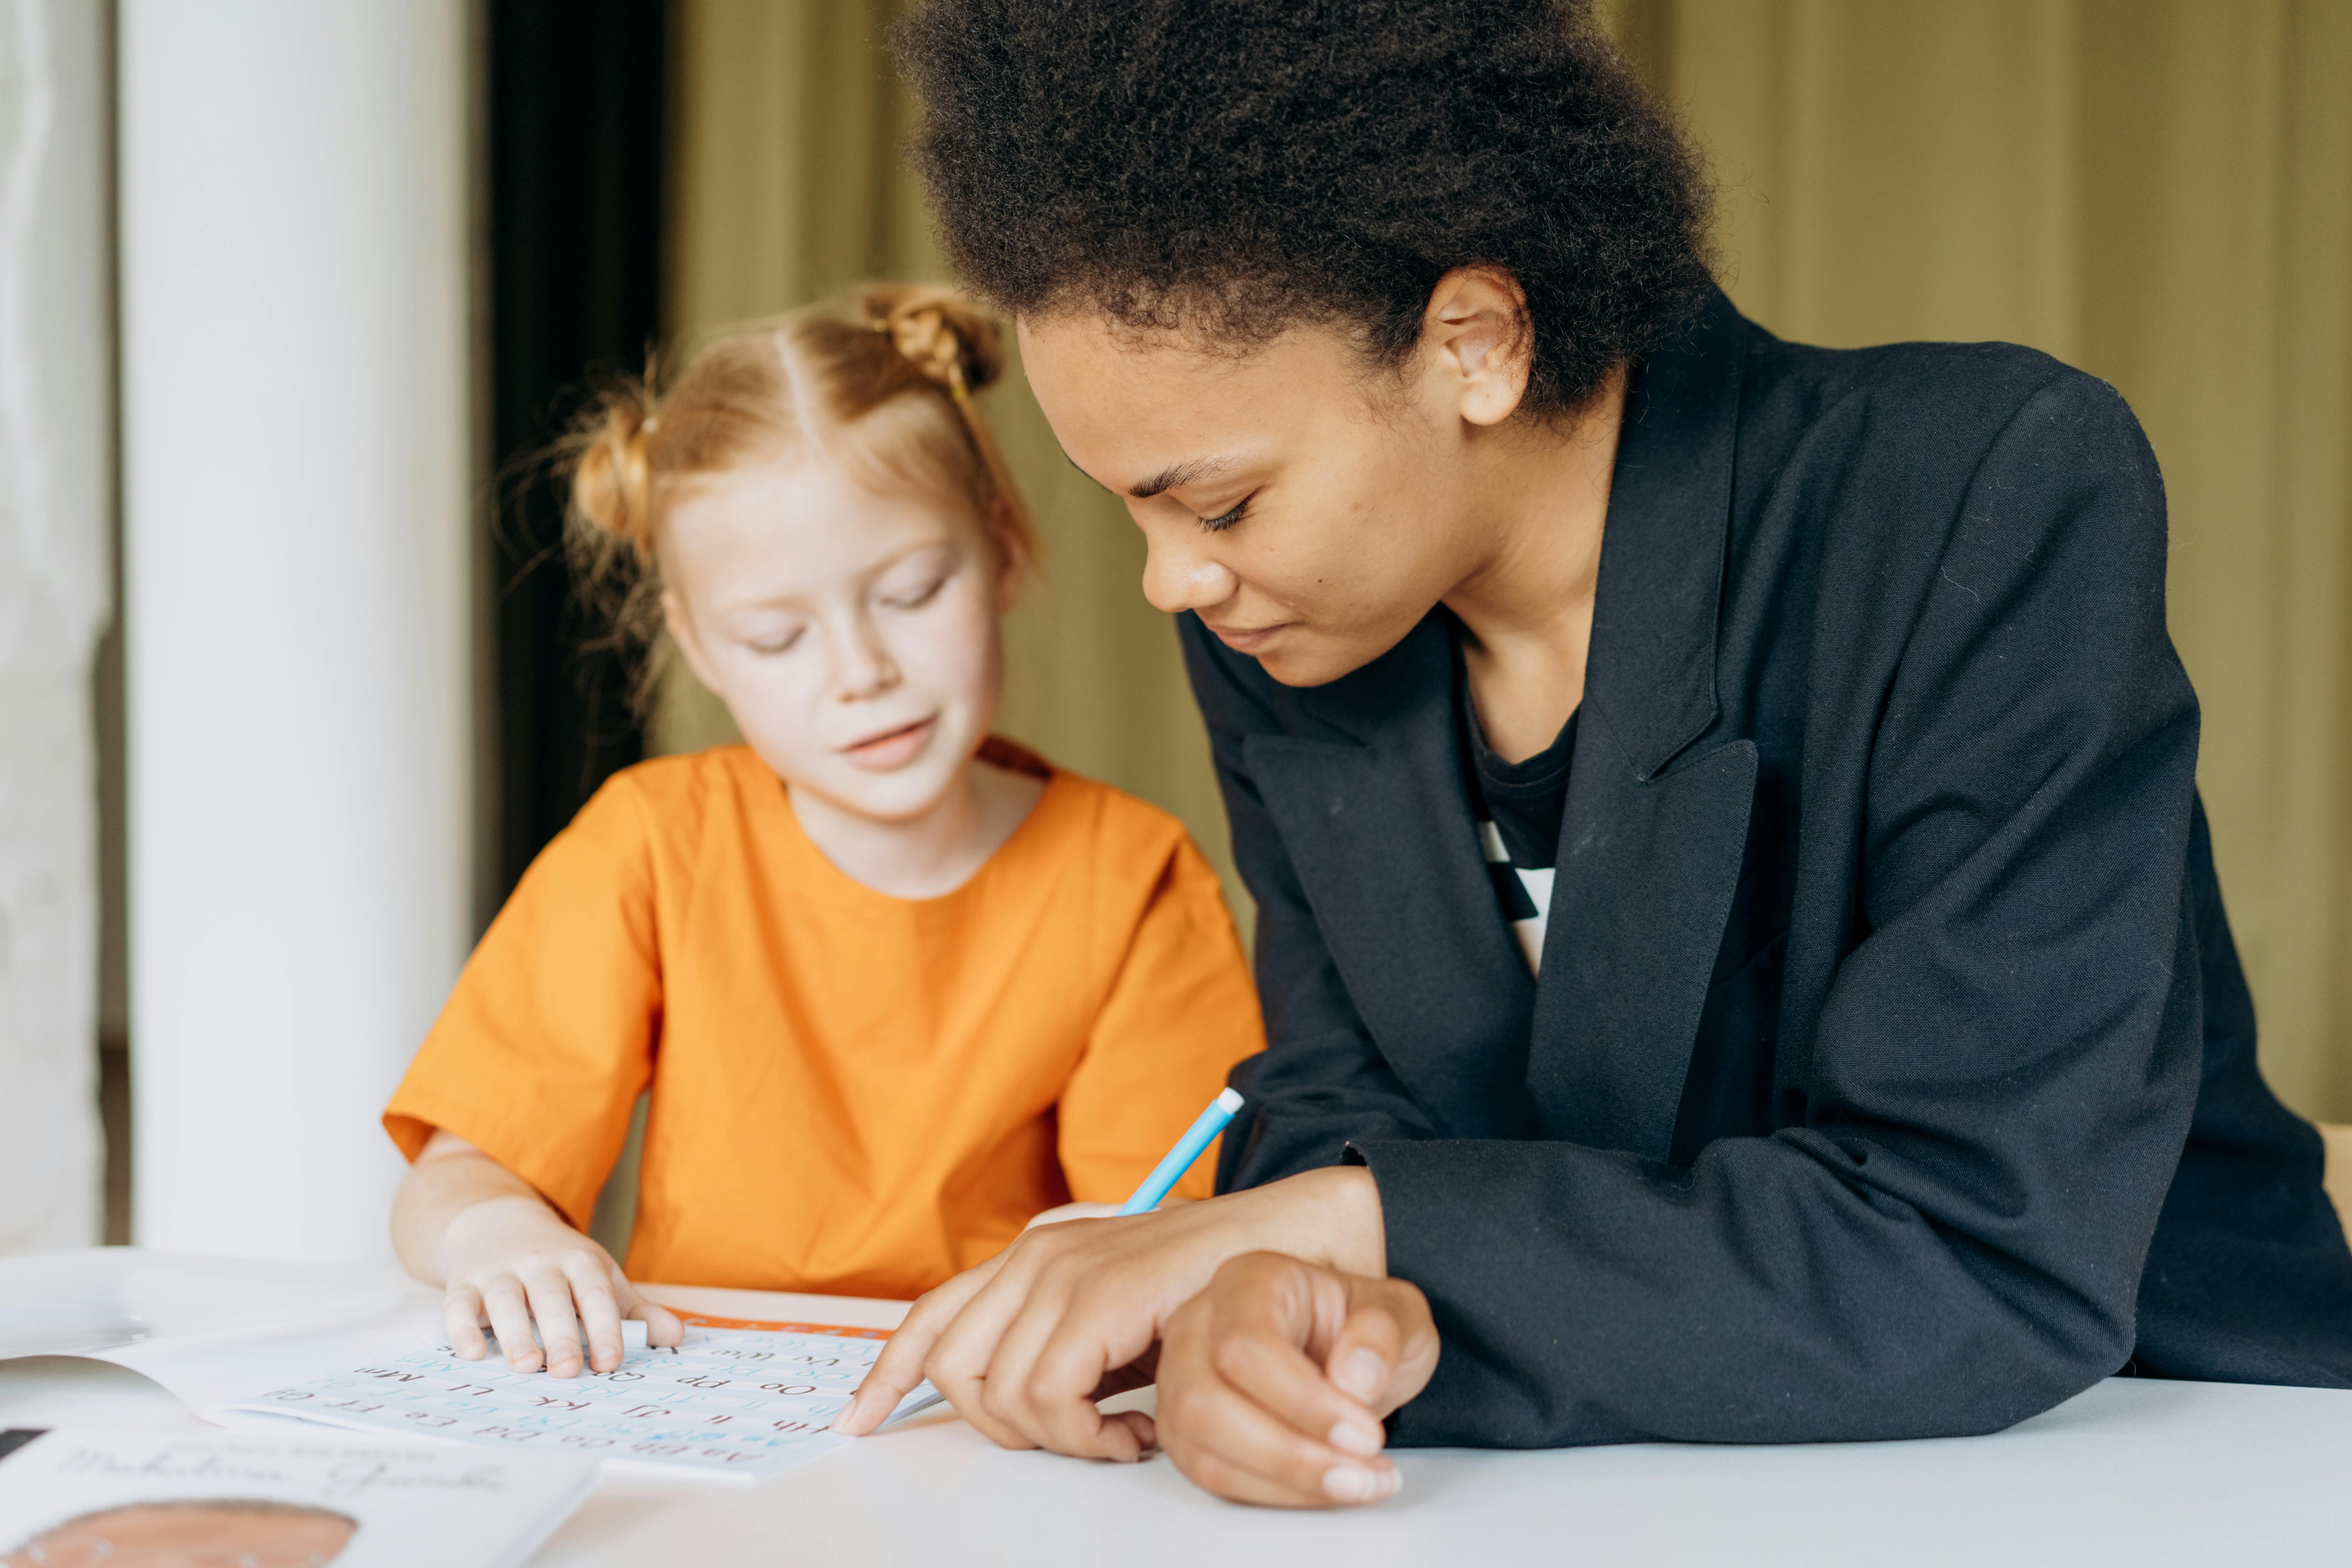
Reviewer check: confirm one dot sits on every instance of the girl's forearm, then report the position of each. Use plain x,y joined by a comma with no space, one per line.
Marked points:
449,1177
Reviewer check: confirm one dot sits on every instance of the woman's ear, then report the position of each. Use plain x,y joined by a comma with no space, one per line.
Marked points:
1480,342
681,632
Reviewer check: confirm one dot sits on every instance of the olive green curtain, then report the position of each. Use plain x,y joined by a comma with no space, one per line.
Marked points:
2160,191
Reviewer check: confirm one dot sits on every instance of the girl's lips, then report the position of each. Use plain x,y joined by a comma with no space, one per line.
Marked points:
892,748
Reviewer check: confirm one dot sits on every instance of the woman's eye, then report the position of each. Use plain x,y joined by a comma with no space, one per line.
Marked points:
1240,510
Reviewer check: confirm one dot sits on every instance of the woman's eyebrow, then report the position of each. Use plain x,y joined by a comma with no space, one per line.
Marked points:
1187,473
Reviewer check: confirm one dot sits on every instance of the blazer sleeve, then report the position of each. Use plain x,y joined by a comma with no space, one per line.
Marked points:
1997,1087
1321,1082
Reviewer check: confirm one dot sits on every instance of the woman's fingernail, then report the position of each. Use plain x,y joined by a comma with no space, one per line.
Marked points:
1354,1436
1358,1485
1362,1374
841,1421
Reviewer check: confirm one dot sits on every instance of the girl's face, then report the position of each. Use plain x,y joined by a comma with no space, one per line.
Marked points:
853,635
1310,514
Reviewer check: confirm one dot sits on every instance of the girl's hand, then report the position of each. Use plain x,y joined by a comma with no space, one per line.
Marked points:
509,1261
464,1221
1026,1343
1275,1380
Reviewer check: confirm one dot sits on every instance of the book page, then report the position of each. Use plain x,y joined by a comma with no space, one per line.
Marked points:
738,1399
90,1495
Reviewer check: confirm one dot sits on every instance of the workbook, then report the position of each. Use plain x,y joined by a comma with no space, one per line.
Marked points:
97,1495
738,1400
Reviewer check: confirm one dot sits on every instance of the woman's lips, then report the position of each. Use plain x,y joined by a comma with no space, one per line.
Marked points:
1248,639
891,748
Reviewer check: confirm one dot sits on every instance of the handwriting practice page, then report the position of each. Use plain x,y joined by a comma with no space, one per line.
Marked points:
738,1400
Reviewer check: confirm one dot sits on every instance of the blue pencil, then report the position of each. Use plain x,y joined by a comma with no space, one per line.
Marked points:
1170,1170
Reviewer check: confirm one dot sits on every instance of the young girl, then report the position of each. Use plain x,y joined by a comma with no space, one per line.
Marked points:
896,985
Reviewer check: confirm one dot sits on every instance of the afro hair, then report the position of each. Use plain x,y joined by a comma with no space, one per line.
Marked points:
1233,167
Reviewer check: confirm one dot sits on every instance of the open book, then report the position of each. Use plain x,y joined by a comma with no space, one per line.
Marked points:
131,1496
740,1400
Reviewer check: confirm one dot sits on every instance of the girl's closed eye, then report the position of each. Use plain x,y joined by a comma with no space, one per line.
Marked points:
916,580
774,639
916,596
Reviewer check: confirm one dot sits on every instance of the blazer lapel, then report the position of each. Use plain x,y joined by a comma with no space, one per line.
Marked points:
1655,829
1381,831
1647,870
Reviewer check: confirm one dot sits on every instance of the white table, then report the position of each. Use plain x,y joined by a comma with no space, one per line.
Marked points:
2137,1472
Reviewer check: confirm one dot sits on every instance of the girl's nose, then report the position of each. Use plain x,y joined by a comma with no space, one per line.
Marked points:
862,665
1177,578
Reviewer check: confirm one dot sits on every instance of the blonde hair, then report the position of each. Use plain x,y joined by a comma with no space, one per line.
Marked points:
881,383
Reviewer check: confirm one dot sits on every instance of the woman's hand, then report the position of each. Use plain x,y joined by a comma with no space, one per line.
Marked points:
468,1223
1026,1343
1060,1212
1274,1381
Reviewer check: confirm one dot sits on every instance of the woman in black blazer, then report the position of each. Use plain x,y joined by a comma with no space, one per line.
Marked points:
1739,943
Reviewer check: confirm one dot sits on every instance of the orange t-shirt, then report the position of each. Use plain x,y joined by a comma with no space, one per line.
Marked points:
852,1093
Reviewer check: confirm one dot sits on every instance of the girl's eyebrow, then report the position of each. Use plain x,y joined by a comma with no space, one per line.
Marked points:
794,602
1178,474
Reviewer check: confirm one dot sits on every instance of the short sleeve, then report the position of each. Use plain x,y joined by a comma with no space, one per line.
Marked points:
1180,1011
546,1042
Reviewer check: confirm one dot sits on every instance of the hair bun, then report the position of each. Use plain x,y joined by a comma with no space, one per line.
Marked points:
611,474
939,331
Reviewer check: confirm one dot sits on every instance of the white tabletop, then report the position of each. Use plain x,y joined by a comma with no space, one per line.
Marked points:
2134,1472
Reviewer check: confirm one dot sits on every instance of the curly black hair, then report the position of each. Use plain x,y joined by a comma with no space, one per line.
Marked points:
1235,166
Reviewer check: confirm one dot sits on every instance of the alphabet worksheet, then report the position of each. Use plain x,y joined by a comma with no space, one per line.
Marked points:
736,1400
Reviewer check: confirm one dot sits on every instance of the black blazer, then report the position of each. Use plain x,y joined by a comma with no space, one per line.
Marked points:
1891,1073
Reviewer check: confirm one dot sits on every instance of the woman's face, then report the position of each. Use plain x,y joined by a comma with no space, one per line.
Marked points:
1309,508
853,635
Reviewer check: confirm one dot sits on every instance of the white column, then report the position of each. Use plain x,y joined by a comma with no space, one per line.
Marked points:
56,491
296,440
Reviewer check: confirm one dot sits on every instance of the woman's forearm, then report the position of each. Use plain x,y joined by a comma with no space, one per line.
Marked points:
1331,1216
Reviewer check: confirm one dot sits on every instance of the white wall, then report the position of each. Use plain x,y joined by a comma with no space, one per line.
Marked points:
296,486
55,494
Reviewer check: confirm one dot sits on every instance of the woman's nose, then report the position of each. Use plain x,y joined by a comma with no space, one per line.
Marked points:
1176,578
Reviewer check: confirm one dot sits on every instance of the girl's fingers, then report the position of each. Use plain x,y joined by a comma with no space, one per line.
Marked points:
461,1319
550,1294
899,1367
600,1312
509,1315
663,1327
